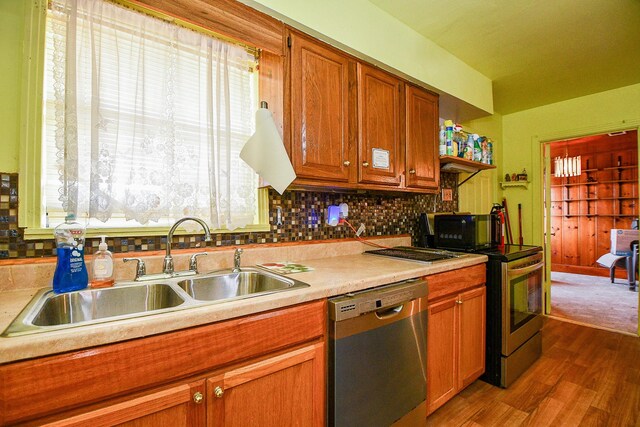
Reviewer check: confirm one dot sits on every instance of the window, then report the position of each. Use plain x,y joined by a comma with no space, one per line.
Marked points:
144,121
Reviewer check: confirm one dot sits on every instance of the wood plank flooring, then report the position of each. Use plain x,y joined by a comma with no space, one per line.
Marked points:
585,377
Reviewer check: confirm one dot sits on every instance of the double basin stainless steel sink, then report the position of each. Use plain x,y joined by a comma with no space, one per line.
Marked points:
48,311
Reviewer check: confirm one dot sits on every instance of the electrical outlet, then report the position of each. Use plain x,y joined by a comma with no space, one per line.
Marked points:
447,194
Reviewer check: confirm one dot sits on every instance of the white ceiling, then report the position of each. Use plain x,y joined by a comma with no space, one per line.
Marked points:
536,52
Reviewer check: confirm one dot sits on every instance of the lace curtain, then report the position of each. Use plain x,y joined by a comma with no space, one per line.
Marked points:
146,119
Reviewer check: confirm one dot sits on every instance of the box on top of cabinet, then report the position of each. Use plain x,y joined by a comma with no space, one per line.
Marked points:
621,241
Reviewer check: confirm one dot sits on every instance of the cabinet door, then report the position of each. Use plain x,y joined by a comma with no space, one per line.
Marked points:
182,405
472,317
284,390
442,353
378,126
422,160
319,111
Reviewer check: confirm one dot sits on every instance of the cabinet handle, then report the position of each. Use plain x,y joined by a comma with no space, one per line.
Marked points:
458,301
412,171
218,392
198,397
365,164
346,163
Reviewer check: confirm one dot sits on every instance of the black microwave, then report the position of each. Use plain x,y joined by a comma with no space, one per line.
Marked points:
466,232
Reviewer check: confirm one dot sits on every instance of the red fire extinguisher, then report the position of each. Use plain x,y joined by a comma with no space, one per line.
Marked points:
499,232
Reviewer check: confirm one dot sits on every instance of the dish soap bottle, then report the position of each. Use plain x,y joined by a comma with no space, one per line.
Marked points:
71,271
102,266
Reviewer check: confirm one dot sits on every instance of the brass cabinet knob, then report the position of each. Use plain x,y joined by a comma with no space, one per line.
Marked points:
365,164
458,301
218,392
412,171
198,397
346,163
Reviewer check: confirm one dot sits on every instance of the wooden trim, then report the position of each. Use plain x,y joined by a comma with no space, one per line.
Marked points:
227,17
455,281
621,273
52,383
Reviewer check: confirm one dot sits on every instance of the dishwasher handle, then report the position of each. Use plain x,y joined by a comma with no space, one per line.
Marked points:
390,312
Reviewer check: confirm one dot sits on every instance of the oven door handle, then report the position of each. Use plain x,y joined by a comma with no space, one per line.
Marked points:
525,270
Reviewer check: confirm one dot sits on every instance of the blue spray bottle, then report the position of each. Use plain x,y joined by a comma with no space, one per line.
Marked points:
71,271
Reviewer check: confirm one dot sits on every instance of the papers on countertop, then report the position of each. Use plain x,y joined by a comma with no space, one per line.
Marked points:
285,267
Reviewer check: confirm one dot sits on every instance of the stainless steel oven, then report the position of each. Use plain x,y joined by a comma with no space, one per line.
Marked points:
521,301
514,312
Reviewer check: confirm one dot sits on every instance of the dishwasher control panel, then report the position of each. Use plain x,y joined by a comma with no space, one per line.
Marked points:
358,303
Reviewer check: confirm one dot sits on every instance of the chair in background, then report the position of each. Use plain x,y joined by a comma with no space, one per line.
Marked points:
611,261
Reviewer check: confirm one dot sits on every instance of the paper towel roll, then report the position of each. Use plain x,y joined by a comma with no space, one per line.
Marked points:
265,153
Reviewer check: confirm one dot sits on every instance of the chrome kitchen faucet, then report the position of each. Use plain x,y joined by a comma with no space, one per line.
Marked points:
167,266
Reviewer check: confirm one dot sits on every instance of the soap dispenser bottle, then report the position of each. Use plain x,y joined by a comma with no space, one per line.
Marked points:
102,266
71,272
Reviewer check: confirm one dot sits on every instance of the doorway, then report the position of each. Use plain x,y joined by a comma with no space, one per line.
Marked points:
591,188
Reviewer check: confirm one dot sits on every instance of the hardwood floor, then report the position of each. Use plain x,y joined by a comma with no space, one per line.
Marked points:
585,377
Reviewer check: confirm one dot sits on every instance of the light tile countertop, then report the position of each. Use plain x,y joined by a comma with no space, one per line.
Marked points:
332,275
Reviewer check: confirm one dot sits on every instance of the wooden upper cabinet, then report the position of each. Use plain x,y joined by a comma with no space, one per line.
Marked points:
379,128
421,149
319,111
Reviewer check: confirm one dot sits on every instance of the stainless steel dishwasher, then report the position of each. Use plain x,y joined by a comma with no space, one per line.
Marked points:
377,356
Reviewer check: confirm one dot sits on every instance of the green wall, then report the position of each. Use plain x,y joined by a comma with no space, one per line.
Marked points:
523,133
11,36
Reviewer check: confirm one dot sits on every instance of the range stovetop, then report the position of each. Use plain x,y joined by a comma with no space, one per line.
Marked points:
511,252
424,255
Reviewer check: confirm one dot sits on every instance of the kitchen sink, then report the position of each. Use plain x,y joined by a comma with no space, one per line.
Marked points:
50,311
227,284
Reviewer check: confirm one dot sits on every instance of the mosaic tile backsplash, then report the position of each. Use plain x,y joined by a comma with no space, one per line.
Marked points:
293,216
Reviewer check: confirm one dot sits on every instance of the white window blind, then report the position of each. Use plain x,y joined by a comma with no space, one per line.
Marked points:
144,120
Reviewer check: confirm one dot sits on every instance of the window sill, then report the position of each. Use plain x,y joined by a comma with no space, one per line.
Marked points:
47,233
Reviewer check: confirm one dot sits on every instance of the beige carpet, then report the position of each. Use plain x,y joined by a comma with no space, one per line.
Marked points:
594,301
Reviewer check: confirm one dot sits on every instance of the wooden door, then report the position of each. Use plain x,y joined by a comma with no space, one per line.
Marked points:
182,405
285,390
421,147
472,318
378,126
319,111
442,353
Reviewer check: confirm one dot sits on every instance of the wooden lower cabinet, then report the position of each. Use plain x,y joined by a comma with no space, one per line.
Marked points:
455,342
284,390
269,368
181,405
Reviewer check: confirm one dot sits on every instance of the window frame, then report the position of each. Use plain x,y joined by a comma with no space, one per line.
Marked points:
30,164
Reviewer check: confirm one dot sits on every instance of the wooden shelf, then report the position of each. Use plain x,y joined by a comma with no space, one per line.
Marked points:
458,164
510,184
618,181
619,167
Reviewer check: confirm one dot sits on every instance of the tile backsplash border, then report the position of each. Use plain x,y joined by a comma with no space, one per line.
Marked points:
302,219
